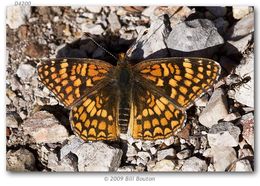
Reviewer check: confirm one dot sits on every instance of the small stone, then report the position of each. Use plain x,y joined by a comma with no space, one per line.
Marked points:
43,127
153,150
166,153
143,157
12,120
224,134
232,116
20,160
240,11
92,29
23,32
35,50
138,144
222,157
217,11
238,46
163,166
202,102
71,145
94,9
66,164
248,122
215,110
97,156
17,15
25,72
242,166
194,164
131,151
183,154
114,22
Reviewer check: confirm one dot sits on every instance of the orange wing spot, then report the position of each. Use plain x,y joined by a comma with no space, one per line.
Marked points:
99,112
101,135
94,123
77,82
64,82
78,126
46,66
200,69
87,123
102,125
93,111
147,134
110,118
77,93
171,107
92,132
68,89
157,130
151,112
58,88
208,72
157,110
53,76
209,66
209,81
46,73
145,71
196,80
160,105
164,121
187,64
173,93
168,115
152,103
176,113
164,100
150,77
84,133
90,107
199,75
73,72
64,76
173,83
183,90
72,78
64,65
188,76
104,113
147,124
171,68
92,72
156,72
181,99
52,69
78,69
57,80
178,78
160,83
83,116
89,83
215,69
187,83
174,124
145,112
70,98
92,66
40,69
51,85
62,71
87,102
61,95
155,66
165,69
167,131
96,78
155,122
103,71
190,71
191,95
80,110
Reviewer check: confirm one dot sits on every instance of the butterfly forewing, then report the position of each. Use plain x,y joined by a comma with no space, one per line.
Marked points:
95,117
182,80
72,79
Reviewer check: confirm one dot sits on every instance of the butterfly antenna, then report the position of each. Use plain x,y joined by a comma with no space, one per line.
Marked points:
93,40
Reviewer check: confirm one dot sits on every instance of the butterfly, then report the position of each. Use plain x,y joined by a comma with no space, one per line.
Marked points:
149,99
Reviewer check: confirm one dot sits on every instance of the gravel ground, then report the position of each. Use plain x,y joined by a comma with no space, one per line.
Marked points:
219,132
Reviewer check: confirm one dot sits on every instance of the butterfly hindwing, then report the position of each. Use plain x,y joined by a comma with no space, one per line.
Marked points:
71,79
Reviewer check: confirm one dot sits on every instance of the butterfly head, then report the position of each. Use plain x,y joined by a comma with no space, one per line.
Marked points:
121,58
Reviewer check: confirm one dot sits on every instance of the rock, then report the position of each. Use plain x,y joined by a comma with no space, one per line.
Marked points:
23,32
12,120
222,25
35,50
217,11
71,145
143,157
232,116
94,9
199,35
43,127
98,156
25,72
224,134
183,154
245,153
131,151
222,157
92,29
114,22
238,46
240,11
17,15
244,92
20,160
163,166
166,153
194,164
66,164
215,110
242,166
248,122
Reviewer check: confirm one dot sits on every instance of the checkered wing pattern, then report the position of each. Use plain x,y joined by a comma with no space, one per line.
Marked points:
71,79
167,87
